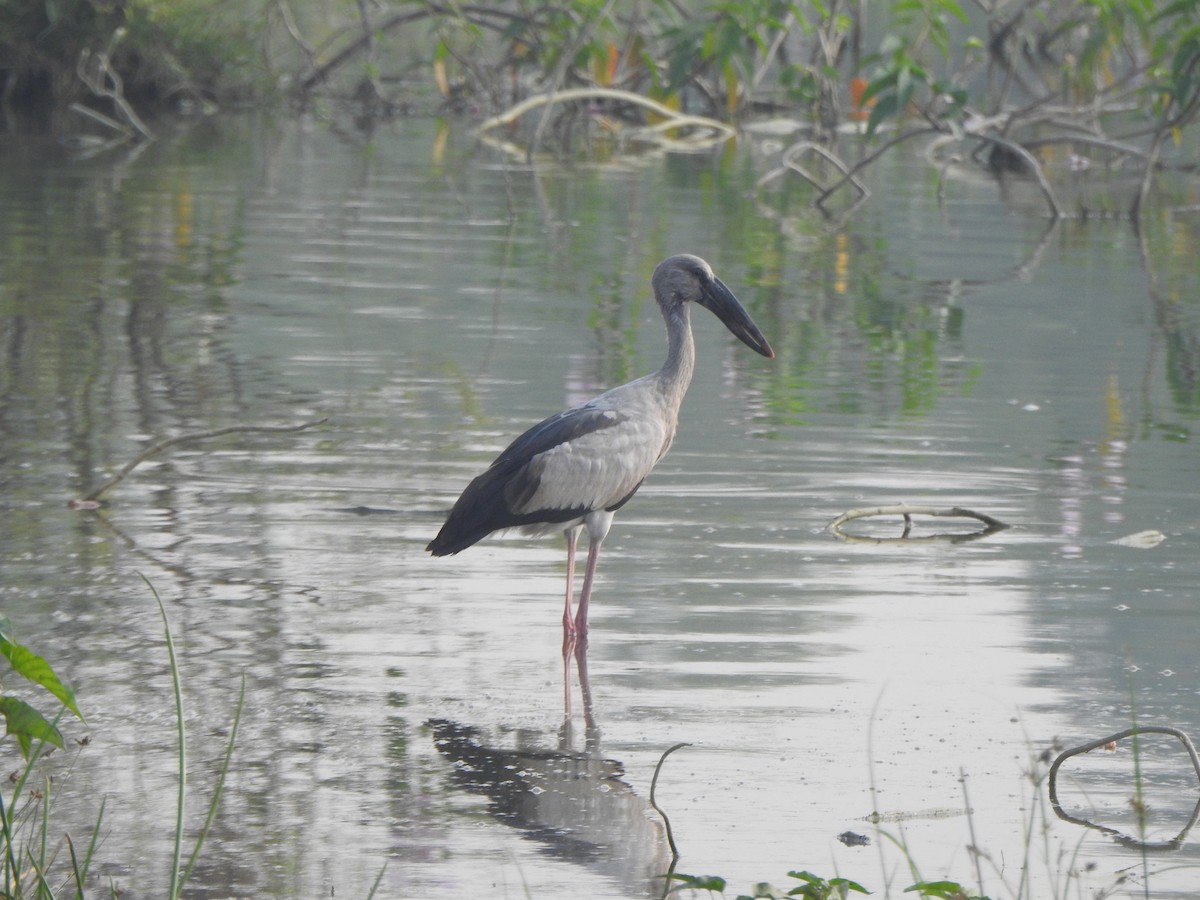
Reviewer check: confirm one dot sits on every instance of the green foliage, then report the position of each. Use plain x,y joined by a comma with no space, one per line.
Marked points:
713,55
812,887
945,890
26,852
1174,35
196,46
818,888
942,63
160,48
1091,52
710,883
903,80
180,873
25,811
22,721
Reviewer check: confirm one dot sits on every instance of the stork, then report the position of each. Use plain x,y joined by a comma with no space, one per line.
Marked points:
575,469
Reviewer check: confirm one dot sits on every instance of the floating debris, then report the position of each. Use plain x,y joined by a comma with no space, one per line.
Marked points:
1142,540
854,839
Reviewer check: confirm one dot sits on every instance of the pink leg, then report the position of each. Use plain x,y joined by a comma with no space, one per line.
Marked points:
585,595
578,649
568,622
568,651
585,688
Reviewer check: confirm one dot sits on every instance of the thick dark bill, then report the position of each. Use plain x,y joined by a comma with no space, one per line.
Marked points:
729,310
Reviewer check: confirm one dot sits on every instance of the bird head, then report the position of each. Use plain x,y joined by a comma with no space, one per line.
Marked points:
683,278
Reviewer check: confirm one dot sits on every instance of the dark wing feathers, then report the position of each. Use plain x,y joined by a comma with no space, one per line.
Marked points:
492,500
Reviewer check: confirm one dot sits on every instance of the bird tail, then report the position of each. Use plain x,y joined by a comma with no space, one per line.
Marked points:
452,539
475,515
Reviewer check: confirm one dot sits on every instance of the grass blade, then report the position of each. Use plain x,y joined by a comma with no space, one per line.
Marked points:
12,875
80,872
38,869
177,853
216,800
378,879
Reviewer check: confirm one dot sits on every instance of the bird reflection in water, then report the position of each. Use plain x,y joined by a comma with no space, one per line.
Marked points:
574,802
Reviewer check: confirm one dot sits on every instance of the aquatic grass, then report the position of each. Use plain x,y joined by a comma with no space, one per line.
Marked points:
811,887
25,830
1063,879
377,882
27,860
80,869
181,752
179,873
1063,876
29,853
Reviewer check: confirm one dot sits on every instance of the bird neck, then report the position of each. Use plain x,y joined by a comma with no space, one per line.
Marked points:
676,373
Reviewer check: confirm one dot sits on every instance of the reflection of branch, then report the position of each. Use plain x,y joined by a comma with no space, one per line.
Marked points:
182,438
992,525
980,130
1172,844
871,157
789,162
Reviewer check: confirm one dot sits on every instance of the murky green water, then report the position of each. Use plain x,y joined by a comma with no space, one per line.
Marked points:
405,715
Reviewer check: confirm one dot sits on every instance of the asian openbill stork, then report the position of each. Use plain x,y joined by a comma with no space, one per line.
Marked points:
577,468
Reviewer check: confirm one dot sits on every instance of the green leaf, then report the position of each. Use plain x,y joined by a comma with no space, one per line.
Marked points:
1184,7
849,885
25,723
763,891
878,86
700,882
29,665
805,876
884,109
956,10
947,890
1189,46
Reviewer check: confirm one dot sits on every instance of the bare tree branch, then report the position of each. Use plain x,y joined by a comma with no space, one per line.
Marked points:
90,500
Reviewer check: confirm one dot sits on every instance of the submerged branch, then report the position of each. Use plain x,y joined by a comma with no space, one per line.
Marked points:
850,173
1121,735
91,498
991,524
654,805
903,509
1109,742
674,118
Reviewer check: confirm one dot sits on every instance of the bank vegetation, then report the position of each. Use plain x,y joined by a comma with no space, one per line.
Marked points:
1006,82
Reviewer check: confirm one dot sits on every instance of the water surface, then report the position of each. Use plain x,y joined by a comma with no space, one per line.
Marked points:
406,715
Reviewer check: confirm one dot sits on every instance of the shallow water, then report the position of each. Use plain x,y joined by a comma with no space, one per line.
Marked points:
405,715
